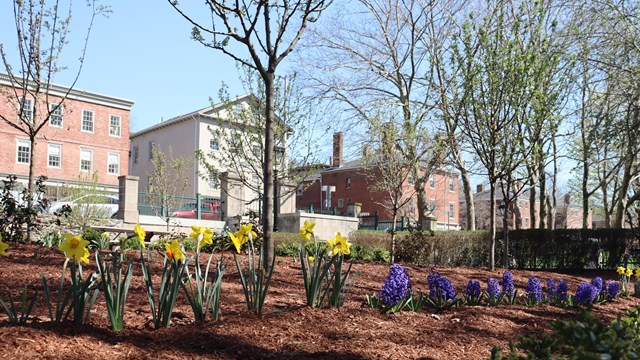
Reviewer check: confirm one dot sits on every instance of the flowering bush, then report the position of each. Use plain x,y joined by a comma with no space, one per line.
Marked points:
586,293
562,292
473,293
613,289
508,288
441,291
396,287
552,290
494,295
598,283
534,291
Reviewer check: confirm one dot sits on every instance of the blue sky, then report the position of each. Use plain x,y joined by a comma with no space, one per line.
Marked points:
141,52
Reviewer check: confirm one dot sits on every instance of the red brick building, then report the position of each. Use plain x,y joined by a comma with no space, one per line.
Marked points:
88,133
351,182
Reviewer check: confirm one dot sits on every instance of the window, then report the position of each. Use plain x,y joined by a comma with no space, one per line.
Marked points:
452,184
257,150
55,115
410,180
113,163
115,125
213,144
452,209
86,159
214,184
152,146
348,183
26,109
23,152
55,155
526,223
87,121
432,182
340,203
136,152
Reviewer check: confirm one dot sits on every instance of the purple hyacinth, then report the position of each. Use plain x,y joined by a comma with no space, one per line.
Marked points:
552,290
613,289
599,284
507,284
441,283
396,286
534,290
562,290
586,293
473,289
493,288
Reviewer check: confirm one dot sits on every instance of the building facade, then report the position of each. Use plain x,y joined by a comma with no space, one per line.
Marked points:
83,134
337,187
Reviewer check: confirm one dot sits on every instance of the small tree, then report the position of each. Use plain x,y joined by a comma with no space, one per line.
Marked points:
85,194
166,182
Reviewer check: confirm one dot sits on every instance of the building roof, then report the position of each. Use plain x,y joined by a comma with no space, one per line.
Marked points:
210,112
74,94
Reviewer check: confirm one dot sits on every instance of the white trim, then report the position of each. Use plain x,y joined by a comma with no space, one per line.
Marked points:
111,116
93,121
28,144
59,146
51,114
90,159
20,108
109,154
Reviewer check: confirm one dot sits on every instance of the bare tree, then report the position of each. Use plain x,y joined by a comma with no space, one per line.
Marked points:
166,182
266,33
42,30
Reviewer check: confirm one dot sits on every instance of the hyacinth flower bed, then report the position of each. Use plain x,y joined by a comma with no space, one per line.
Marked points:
288,328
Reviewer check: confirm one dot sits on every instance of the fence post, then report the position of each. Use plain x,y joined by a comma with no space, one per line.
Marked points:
333,211
375,218
198,203
404,223
311,208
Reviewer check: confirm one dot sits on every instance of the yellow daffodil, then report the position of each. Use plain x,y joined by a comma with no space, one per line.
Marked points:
139,231
306,231
339,245
246,233
637,273
3,247
202,235
628,273
105,235
620,270
311,258
75,247
236,241
174,251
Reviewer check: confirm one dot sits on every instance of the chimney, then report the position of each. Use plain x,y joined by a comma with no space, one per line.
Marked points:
567,199
480,188
367,150
337,149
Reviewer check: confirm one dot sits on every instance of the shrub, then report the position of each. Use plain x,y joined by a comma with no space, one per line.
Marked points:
51,239
444,248
14,211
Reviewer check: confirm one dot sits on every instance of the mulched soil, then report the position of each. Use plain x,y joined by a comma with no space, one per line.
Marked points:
287,329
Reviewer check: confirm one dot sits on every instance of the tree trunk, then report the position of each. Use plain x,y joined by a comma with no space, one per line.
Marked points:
393,236
468,198
492,225
533,211
543,194
268,249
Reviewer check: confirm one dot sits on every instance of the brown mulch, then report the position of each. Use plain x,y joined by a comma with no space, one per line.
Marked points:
287,329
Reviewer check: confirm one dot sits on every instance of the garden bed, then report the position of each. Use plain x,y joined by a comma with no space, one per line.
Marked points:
287,329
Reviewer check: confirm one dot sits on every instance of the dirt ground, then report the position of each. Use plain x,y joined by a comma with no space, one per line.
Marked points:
287,329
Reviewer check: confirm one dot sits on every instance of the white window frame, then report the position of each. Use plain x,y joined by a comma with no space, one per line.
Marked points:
347,184
432,181
56,114
93,121
452,185
411,180
49,154
213,182
109,163
27,145
152,145
214,145
340,203
452,210
22,106
90,151
111,126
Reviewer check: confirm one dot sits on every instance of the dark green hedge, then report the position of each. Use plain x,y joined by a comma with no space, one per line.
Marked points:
571,248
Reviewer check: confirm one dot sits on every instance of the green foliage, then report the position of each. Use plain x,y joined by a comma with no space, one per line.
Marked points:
255,280
85,213
95,239
19,315
79,297
315,274
15,212
115,288
172,273
587,338
445,248
205,294
52,239
290,249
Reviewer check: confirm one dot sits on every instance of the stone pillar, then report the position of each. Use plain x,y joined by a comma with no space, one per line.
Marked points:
128,193
429,223
354,209
232,194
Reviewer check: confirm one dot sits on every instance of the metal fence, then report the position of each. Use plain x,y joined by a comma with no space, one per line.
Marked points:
200,207
373,222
